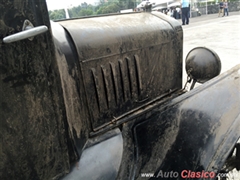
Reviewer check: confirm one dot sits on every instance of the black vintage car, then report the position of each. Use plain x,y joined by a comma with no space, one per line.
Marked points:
102,98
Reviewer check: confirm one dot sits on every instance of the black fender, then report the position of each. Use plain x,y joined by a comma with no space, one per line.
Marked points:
194,132
100,159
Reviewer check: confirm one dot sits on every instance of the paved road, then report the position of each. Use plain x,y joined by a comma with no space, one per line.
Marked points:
221,34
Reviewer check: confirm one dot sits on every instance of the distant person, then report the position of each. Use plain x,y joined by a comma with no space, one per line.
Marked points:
189,11
225,5
178,12
185,11
166,11
169,13
175,13
220,8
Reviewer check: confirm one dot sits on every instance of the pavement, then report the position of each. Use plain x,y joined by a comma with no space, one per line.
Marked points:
221,34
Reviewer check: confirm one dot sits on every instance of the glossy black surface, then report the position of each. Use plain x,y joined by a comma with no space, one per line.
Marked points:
202,64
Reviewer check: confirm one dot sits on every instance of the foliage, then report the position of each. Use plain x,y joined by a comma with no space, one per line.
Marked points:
57,14
111,6
86,12
74,12
128,4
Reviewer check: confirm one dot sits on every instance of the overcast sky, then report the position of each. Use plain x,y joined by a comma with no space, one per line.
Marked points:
59,4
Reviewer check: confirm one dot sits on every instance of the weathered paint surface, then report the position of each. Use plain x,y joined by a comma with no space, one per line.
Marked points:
33,134
126,60
195,131
59,93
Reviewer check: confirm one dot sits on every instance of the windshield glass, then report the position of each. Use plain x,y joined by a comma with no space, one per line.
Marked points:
68,9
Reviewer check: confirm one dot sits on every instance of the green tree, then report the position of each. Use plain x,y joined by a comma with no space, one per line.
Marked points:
128,4
86,12
74,12
82,10
84,5
57,14
111,6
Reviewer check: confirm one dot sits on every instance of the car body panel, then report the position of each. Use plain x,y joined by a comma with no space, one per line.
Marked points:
119,68
35,142
196,131
107,88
